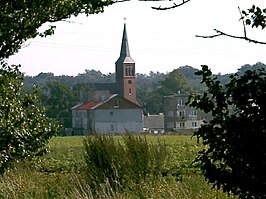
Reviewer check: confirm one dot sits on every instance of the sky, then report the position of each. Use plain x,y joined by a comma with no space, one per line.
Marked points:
158,40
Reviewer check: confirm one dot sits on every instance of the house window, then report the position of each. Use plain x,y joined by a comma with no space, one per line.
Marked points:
111,127
170,125
169,113
193,113
111,113
117,102
180,104
182,125
194,124
180,113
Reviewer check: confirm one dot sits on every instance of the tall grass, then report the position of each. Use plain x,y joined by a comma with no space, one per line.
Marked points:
125,164
61,173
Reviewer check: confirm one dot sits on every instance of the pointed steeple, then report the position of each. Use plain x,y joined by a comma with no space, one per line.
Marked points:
124,52
125,71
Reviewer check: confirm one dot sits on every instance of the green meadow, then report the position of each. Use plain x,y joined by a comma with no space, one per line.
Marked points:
62,173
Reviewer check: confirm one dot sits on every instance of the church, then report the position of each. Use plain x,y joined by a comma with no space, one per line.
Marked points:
111,107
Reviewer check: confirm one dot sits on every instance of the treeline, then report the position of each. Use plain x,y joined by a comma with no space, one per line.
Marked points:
59,93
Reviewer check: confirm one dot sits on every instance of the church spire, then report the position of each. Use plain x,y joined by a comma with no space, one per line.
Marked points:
125,71
124,47
124,52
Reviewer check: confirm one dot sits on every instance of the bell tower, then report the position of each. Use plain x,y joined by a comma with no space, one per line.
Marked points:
125,71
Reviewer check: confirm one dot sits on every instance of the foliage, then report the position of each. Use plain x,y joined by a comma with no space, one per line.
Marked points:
21,20
24,129
123,164
255,16
192,79
235,139
58,100
174,82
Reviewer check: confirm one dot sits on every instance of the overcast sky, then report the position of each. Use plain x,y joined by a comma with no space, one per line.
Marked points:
158,40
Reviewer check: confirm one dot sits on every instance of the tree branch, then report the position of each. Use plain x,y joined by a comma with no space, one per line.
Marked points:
220,33
243,22
171,7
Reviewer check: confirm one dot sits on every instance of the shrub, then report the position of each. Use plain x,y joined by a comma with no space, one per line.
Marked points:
125,164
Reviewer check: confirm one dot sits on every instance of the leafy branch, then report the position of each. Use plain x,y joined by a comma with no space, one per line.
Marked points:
245,37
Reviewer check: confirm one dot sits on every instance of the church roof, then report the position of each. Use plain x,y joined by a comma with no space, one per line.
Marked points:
91,105
124,52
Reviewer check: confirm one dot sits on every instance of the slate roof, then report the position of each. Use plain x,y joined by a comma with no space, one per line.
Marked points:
154,121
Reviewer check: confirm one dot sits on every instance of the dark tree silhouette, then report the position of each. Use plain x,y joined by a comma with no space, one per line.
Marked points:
234,158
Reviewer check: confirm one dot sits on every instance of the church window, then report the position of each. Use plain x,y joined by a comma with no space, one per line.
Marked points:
129,91
126,71
132,71
129,82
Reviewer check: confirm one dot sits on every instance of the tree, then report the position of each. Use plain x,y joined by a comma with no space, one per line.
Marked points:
21,20
254,17
24,128
58,100
234,158
173,83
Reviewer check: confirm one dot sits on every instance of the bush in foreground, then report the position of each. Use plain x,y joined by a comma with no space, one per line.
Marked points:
123,164
235,155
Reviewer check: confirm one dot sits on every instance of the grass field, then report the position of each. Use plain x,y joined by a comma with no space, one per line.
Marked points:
59,174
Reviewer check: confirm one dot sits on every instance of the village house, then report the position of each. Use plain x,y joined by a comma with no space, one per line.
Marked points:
153,123
178,115
112,107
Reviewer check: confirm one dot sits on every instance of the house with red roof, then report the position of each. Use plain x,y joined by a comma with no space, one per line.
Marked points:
111,108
